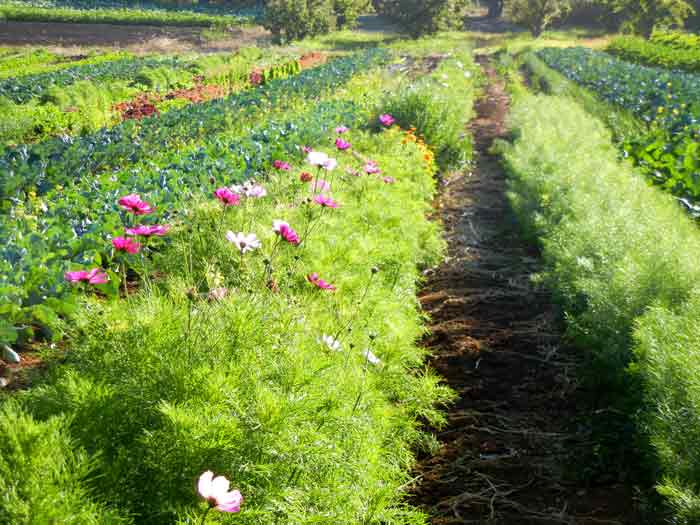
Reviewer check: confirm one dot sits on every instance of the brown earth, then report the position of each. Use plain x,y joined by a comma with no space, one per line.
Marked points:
137,38
511,447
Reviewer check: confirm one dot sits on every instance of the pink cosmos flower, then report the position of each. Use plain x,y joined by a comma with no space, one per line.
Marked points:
285,231
341,129
389,180
281,165
330,164
135,205
371,168
305,176
227,197
314,279
123,244
215,490
217,294
146,231
306,149
324,201
94,276
254,190
342,144
244,242
320,186
386,119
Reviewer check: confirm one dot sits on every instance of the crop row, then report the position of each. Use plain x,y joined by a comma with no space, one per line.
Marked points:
24,88
667,101
68,224
61,161
286,362
123,16
85,107
40,61
642,51
676,39
622,258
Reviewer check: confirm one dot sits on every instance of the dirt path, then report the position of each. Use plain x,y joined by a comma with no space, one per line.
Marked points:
137,38
510,444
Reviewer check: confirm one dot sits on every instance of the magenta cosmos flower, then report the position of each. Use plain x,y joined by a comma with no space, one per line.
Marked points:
306,149
215,490
324,201
135,205
342,144
341,129
285,231
281,165
123,244
389,180
386,119
94,276
147,231
227,197
314,279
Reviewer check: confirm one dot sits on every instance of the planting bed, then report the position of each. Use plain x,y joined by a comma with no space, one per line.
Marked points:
281,355
668,102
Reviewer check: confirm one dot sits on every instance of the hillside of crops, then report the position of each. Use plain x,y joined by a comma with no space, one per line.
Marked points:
666,147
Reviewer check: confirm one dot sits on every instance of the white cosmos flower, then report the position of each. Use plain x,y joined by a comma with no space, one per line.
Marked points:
317,158
331,342
367,354
244,242
330,164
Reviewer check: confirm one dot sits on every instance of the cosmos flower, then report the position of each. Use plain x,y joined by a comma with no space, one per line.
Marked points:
331,342
324,201
227,197
386,120
342,144
285,231
281,165
244,242
94,276
147,231
122,244
133,204
341,129
314,279
215,490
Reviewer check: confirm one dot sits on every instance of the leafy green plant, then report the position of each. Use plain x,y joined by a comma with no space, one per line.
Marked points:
637,49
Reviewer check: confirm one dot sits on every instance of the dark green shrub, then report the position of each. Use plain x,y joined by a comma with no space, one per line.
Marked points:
296,19
422,17
347,11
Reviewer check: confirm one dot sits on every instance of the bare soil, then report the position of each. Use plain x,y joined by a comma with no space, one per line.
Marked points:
513,444
137,38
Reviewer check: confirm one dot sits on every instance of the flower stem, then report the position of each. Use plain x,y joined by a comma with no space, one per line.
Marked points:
204,516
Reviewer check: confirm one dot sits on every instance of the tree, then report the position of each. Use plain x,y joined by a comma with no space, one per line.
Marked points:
422,17
495,8
536,15
296,19
642,16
